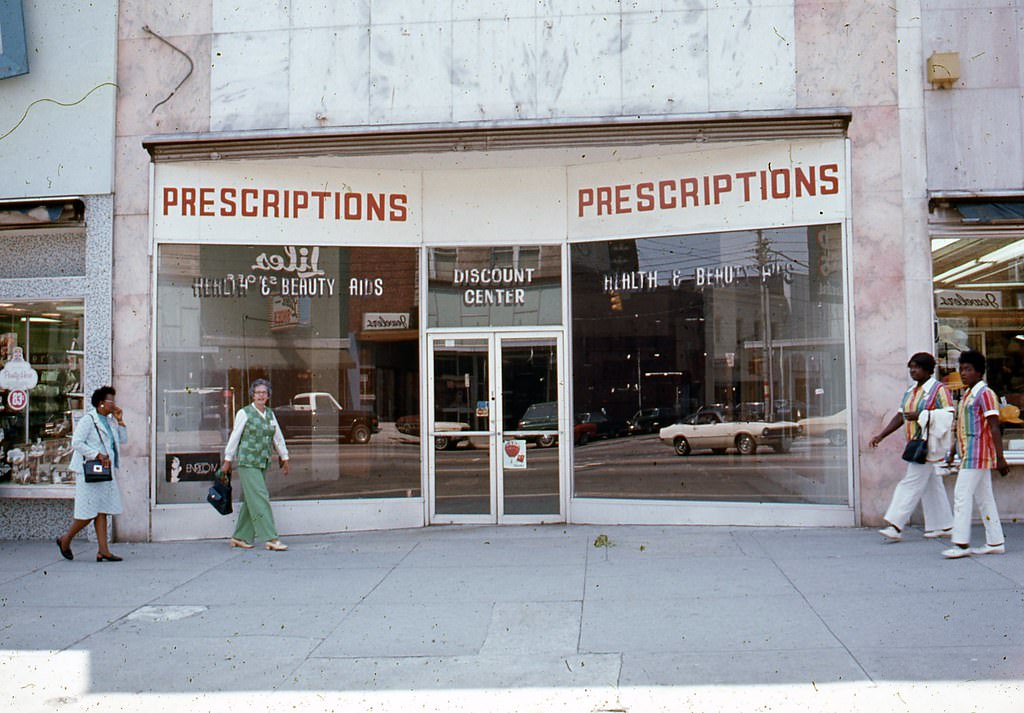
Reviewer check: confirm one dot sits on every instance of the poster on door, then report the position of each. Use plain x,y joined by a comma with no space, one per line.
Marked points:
514,454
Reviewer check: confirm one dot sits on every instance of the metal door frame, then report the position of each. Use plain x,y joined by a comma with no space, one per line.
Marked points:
495,338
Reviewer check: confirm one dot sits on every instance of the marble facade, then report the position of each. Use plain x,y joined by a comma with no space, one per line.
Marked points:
280,65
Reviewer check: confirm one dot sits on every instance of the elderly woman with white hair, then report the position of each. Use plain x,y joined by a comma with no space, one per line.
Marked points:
255,431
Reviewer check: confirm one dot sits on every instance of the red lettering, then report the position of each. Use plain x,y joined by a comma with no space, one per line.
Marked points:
745,177
664,200
287,205
689,190
829,176
398,207
707,190
170,198
188,201
764,185
300,201
271,200
227,198
353,206
622,199
206,202
249,201
805,182
780,190
644,197
604,200
375,206
723,184
321,198
337,205
585,199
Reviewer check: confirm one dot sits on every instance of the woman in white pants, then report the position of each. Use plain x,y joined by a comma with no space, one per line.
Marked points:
920,483
980,445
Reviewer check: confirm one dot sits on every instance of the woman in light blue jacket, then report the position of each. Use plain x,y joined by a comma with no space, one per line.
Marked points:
98,436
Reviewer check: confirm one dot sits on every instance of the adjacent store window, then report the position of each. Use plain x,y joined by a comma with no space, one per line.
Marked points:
41,369
979,304
474,286
723,355
334,330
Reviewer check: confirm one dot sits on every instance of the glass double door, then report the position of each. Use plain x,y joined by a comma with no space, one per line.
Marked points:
496,428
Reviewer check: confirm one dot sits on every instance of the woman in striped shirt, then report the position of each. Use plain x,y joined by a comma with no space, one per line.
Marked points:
980,444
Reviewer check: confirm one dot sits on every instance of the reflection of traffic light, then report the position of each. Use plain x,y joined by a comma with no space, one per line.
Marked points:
616,301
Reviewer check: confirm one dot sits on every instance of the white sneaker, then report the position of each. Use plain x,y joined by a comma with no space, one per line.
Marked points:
891,533
935,534
989,550
956,552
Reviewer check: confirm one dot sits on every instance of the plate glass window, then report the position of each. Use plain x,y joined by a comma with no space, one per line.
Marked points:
335,332
711,367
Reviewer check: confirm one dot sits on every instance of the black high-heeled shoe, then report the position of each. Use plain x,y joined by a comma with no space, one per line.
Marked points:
67,553
108,558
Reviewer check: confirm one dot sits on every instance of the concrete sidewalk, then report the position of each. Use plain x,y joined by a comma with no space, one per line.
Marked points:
518,618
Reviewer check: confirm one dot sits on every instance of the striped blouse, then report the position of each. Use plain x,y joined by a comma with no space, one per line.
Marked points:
973,436
916,398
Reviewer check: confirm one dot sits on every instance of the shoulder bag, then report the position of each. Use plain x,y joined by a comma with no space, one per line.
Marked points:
916,450
95,471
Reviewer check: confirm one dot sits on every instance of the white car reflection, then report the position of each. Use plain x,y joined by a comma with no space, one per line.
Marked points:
709,429
831,427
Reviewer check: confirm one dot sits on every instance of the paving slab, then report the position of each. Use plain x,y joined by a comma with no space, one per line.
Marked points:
772,667
54,627
640,578
929,619
385,630
473,583
998,662
457,672
769,622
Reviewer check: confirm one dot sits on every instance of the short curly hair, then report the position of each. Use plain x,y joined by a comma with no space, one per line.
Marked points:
259,382
100,395
924,360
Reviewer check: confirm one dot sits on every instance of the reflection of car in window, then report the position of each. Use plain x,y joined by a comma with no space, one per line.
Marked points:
541,417
443,439
832,427
709,429
318,414
649,420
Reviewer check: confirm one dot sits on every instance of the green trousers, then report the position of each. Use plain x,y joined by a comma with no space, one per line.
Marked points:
255,520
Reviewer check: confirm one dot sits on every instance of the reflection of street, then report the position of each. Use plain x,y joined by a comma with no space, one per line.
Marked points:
463,483
323,469
644,467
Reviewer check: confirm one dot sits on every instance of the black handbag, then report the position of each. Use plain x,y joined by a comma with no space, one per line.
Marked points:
95,471
916,450
219,494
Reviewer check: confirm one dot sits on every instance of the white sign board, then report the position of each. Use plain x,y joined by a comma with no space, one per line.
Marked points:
17,373
758,186
968,299
259,203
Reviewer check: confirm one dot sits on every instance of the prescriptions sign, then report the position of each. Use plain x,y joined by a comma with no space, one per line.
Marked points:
763,185
265,203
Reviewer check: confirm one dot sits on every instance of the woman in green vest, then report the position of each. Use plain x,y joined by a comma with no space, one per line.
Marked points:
255,431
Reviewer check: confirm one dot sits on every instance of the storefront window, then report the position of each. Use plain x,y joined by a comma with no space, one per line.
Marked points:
334,330
711,367
979,304
495,286
41,368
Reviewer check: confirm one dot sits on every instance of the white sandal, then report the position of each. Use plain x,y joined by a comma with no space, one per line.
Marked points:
276,546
